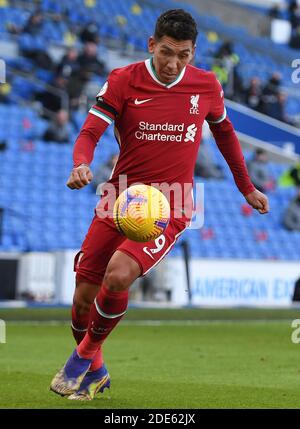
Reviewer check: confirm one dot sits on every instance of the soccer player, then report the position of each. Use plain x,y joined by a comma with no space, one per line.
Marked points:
158,107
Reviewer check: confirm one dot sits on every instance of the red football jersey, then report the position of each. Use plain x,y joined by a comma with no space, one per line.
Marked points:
158,126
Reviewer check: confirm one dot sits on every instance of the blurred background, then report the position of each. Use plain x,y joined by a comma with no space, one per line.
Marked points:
56,56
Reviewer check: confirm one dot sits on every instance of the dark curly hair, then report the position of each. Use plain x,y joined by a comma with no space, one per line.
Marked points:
178,24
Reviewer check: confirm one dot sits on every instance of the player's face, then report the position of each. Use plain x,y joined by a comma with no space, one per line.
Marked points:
170,56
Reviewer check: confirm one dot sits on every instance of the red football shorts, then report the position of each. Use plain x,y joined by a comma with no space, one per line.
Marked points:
103,239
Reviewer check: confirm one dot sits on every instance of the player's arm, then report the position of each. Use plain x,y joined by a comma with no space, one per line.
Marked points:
83,153
230,147
100,116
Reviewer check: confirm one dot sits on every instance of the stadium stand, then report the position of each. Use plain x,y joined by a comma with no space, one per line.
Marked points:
281,7
40,212
130,23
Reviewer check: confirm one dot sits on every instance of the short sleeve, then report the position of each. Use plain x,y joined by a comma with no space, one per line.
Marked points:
217,111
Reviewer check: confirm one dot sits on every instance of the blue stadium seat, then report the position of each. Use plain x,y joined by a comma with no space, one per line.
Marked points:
54,217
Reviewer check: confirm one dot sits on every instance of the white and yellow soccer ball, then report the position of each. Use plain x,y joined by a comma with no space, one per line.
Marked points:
141,212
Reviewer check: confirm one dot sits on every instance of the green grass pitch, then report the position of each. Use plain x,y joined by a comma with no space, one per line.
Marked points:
220,359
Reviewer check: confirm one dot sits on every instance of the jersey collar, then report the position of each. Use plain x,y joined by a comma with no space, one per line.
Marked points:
150,68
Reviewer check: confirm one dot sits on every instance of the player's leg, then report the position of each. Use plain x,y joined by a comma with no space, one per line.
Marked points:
108,309
84,296
130,261
126,265
97,377
111,302
90,265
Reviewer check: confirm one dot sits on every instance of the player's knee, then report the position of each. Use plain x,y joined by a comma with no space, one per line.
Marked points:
83,299
117,279
82,304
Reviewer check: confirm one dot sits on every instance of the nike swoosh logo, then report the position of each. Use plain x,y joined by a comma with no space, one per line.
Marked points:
146,250
136,101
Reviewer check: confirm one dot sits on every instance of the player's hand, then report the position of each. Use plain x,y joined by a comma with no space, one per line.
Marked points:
80,177
258,201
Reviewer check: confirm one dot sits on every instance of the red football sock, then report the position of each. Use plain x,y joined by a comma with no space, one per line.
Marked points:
107,310
97,361
79,325
79,328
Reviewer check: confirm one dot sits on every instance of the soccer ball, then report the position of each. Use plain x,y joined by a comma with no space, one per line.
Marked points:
141,213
